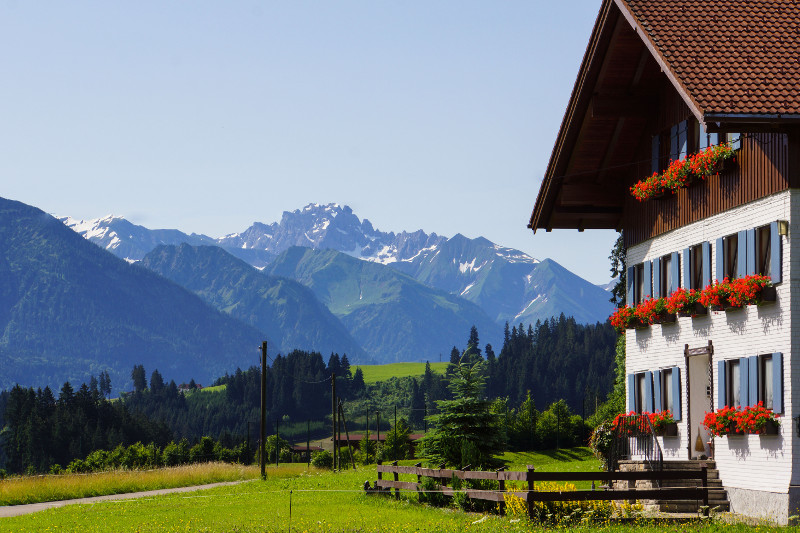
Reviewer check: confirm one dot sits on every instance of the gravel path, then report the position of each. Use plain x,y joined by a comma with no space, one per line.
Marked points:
16,510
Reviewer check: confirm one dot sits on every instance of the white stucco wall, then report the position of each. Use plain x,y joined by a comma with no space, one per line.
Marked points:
761,463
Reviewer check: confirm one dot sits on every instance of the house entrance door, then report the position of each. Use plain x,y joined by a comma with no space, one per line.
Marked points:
699,397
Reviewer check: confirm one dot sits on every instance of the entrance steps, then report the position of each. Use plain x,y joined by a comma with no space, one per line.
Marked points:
717,497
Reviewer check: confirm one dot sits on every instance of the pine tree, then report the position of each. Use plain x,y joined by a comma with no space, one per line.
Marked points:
139,378
156,382
618,271
466,431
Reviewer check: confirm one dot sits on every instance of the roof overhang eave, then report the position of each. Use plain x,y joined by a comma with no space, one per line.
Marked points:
727,122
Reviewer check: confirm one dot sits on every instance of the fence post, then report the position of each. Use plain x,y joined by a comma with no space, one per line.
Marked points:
501,486
396,478
380,474
530,490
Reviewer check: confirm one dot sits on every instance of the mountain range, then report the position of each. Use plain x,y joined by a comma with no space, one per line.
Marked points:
196,307
509,285
69,310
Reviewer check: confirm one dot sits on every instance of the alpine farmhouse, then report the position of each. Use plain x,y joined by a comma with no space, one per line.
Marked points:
661,81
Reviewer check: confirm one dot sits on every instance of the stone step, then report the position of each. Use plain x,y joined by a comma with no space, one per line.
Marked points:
688,506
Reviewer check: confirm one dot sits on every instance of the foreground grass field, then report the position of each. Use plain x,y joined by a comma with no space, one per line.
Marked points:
296,499
34,489
375,373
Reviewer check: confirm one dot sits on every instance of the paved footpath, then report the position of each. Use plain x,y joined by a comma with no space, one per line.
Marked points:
16,510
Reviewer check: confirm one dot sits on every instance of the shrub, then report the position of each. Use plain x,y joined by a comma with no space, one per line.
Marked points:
428,493
322,459
559,512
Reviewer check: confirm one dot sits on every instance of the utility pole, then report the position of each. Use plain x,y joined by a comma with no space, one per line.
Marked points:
377,428
395,432
333,416
263,442
308,443
277,441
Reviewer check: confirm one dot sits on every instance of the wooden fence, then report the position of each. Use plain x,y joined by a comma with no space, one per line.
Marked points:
443,476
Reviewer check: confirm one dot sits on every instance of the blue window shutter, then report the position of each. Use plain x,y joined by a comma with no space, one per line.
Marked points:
676,393
631,392
687,268
655,154
675,274
657,390
777,382
648,280
720,384
630,298
752,394
703,140
744,382
775,258
657,278
751,251
736,140
720,266
741,254
683,128
713,139
706,267
673,142
648,392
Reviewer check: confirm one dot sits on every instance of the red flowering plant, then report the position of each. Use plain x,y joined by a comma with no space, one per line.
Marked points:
722,422
621,318
738,421
716,294
681,172
660,420
630,424
682,301
753,419
735,293
649,311
747,290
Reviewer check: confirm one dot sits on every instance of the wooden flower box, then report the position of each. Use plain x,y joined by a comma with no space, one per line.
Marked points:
768,295
697,311
670,429
771,428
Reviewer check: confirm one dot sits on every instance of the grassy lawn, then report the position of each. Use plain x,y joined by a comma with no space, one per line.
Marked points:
375,373
296,499
33,489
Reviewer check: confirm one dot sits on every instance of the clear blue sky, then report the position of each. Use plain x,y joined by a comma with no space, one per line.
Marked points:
208,116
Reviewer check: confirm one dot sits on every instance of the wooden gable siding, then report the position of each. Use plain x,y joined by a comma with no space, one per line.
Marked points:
761,169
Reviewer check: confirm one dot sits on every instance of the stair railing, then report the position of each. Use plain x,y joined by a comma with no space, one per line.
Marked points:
634,438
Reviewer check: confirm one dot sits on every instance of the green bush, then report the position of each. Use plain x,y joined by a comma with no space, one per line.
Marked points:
322,459
175,454
203,451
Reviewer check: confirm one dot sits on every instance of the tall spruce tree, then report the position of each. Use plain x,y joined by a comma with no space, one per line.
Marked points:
466,431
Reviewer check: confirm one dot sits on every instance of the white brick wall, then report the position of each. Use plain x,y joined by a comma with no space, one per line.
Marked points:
751,462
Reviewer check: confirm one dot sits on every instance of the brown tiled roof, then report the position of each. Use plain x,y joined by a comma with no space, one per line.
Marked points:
730,56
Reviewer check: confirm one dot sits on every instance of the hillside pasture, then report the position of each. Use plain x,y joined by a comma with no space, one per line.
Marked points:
375,373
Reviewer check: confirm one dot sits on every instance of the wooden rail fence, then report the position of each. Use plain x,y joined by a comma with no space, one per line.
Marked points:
443,476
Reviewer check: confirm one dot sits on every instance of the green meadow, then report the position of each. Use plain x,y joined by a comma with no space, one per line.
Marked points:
375,373
297,499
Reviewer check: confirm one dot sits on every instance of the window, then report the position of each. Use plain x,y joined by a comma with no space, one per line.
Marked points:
732,256
733,383
678,137
731,251
763,250
641,393
667,394
749,380
765,380
706,139
697,266
638,298
639,283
